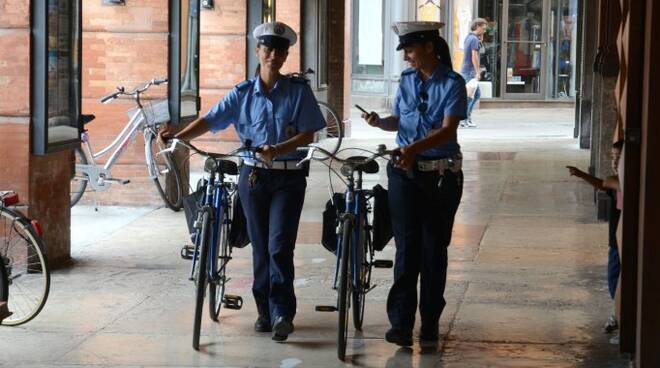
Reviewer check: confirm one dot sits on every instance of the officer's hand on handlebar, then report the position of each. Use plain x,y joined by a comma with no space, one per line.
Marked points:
371,118
405,158
166,132
267,153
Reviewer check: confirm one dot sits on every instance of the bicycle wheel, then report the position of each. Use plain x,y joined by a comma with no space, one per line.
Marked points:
217,287
28,275
344,288
363,269
200,279
164,164
79,180
334,129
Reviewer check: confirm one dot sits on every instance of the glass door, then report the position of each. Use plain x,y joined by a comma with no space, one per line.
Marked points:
524,55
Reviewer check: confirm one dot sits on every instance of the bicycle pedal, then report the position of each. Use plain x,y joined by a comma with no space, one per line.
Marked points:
383,263
120,181
232,301
187,251
325,308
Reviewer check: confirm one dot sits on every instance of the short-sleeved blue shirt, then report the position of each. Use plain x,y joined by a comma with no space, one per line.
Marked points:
471,43
446,97
265,117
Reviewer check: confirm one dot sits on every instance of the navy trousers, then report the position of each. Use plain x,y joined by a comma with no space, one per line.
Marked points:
272,206
422,219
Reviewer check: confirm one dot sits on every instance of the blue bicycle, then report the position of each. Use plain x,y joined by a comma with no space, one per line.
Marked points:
355,248
211,229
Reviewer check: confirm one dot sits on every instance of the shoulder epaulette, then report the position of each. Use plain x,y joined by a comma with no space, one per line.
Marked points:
297,79
408,71
244,84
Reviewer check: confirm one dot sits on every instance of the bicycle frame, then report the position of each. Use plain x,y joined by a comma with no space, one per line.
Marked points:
216,199
120,143
355,202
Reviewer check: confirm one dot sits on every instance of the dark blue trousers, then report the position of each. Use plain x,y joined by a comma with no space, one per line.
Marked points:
272,206
422,220
613,269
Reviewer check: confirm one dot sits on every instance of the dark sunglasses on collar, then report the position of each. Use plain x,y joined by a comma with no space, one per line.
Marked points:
423,106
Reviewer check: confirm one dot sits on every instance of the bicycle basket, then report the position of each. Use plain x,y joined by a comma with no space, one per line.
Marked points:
156,112
382,222
238,234
331,221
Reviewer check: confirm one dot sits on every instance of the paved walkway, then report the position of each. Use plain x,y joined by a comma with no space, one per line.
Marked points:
526,284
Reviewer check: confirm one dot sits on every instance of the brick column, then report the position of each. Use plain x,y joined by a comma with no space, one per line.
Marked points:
42,182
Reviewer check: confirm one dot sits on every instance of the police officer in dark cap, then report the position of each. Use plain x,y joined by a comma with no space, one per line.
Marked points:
426,183
279,114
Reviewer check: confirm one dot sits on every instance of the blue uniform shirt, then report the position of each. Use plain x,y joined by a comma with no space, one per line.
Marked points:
446,97
268,117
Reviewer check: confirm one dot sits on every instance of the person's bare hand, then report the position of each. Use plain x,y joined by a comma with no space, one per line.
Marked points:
166,132
268,153
406,157
574,171
372,118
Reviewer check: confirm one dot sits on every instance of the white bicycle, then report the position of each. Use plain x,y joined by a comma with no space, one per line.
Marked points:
145,118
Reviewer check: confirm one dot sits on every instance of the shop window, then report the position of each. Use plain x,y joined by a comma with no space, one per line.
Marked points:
490,59
183,88
433,11
368,45
563,50
55,60
315,41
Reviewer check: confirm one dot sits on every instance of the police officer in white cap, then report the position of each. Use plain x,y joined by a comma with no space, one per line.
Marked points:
279,114
426,183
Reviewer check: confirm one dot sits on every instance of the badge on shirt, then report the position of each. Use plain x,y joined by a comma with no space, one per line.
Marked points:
290,130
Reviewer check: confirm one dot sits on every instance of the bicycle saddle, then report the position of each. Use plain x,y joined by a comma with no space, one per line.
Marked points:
227,167
370,168
86,119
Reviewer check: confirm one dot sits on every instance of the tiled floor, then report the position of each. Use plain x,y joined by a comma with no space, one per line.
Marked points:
526,284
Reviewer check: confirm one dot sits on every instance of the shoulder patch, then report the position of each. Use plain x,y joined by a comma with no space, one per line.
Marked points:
452,74
244,84
408,71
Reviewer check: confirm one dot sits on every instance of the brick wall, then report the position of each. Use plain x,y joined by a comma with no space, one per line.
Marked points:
41,181
14,96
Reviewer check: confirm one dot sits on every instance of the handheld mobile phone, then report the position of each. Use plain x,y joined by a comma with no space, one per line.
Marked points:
361,109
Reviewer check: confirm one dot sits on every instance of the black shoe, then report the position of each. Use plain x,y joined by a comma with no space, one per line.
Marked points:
262,325
281,329
429,333
399,337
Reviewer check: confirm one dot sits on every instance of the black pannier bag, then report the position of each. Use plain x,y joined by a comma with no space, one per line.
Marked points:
191,204
238,235
382,223
331,220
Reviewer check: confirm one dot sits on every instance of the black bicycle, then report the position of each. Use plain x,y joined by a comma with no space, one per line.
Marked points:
211,230
24,262
4,292
354,241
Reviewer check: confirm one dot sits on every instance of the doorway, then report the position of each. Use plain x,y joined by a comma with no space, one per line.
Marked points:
524,55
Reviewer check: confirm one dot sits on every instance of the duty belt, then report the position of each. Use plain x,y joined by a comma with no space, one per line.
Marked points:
455,164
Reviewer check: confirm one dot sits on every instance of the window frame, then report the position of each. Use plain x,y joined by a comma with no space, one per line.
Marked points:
39,75
174,62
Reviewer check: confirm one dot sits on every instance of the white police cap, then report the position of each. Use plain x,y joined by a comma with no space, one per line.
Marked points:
275,34
412,32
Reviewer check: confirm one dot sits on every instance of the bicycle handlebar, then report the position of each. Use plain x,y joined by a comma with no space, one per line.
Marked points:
135,92
381,151
215,155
